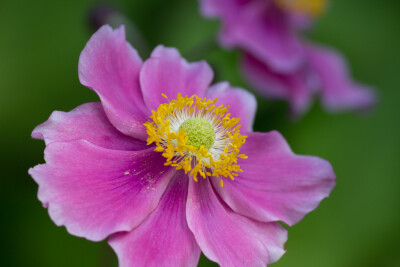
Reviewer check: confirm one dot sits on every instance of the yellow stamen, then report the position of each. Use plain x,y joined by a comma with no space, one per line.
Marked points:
195,152
305,7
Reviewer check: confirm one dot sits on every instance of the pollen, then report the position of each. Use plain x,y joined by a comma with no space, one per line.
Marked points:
305,7
197,136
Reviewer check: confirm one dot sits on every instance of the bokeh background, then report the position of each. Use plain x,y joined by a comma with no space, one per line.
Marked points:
358,225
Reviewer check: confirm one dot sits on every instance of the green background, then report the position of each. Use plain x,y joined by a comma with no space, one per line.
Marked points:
358,225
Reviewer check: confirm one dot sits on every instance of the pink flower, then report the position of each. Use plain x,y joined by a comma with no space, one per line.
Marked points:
277,62
161,202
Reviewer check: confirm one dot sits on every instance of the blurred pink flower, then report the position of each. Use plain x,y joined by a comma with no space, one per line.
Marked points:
102,179
279,63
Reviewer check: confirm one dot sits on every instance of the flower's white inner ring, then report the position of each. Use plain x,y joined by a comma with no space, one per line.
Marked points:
181,115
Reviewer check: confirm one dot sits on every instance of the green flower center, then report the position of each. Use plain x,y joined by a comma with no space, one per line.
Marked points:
200,132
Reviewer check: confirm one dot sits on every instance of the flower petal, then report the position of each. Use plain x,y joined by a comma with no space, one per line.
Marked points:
110,66
297,87
338,90
229,238
275,183
164,238
95,192
264,31
224,8
87,122
166,72
242,104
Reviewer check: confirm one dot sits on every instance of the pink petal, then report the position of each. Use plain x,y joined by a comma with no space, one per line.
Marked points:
166,72
265,32
110,66
242,104
164,238
275,183
228,238
338,90
87,122
95,191
300,21
296,87
221,8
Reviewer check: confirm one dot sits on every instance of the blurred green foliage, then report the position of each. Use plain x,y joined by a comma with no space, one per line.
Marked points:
358,225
